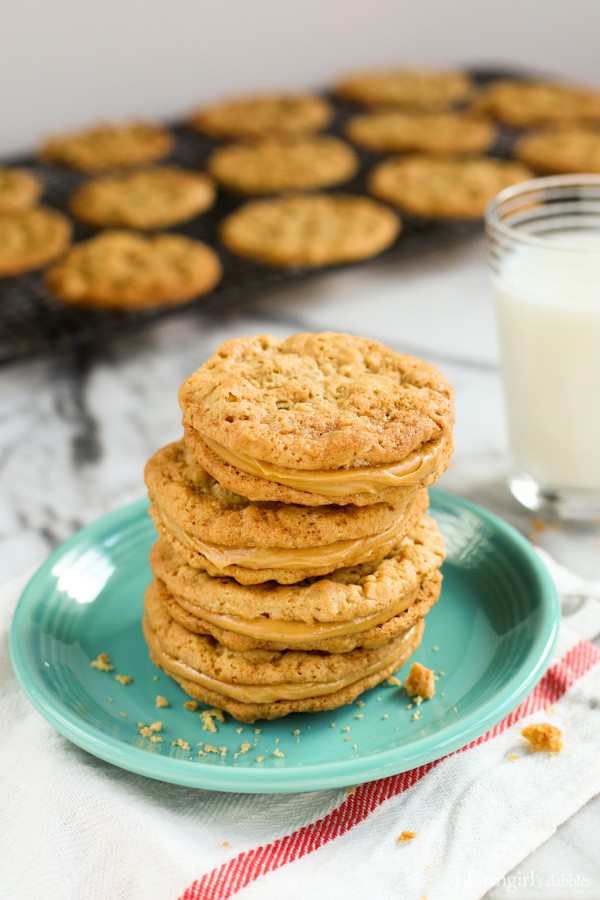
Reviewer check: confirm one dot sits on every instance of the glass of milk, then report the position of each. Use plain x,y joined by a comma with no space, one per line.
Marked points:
544,252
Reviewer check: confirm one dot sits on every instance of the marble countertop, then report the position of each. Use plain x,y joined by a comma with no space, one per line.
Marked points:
76,430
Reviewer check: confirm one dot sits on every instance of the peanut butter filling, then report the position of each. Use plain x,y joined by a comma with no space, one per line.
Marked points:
332,556
249,693
339,482
267,629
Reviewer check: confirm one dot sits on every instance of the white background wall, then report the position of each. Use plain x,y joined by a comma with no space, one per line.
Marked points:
68,62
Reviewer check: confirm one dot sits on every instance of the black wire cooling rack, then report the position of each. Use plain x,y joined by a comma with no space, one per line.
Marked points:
33,323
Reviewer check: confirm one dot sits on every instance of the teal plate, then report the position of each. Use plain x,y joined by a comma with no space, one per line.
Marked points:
489,638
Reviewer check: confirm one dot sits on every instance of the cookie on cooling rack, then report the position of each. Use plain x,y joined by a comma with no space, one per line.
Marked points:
30,239
276,164
527,103
421,88
122,270
313,230
144,199
109,146
565,149
394,130
19,189
263,115
444,188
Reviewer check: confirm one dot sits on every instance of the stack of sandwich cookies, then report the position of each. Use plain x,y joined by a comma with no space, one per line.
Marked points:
298,584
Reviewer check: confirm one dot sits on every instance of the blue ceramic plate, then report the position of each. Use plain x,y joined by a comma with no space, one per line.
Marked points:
489,638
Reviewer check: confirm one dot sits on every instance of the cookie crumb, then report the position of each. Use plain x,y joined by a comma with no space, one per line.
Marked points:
102,662
238,730
209,748
543,737
243,749
123,679
146,732
296,731
155,678
208,717
416,715
156,738
109,699
385,716
223,751
346,728
257,730
420,682
297,740
406,836
359,716
278,753
435,648
123,715
180,743
140,724
156,726
259,758
347,738
161,701
393,681
225,844
333,725
513,756
191,704
360,704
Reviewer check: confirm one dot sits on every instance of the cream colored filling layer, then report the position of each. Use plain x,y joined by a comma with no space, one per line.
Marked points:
263,628
332,556
338,482
269,693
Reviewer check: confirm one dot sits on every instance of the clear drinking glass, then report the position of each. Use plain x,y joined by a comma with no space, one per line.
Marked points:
544,252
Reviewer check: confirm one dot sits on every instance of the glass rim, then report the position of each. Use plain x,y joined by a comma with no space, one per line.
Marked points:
535,185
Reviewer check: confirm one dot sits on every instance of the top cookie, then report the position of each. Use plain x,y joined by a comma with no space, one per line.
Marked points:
316,402
19,190
410,88
525,103
108,146
437,132
263,115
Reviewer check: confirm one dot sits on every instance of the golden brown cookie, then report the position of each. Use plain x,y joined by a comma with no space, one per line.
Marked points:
193,617
262,115
226,534
109,146
31,238
345,601
263,684
317,416
122,270
315,230
145,199
570,148
19,190
436,133
407,88
526,103
444,188
276,165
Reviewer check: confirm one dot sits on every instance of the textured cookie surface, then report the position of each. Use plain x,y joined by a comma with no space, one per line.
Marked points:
194,619
19,190
247,702
570,148
412,88
31,238
128,271
525,103
315,230
282,165
149,198
317,400
263,115
225,534
109,146
444,187
443,132
348,594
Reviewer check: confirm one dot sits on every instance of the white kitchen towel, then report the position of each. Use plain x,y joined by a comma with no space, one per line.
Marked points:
75,827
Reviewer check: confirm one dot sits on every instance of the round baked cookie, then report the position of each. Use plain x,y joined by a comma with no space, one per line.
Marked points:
226,534
190,616
122,270
109,146
527,103
19,190
31,238
315,607
444,188
435,133
144,199
276,165
408,88
317,416
567,149
262,684
257,116
314,230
